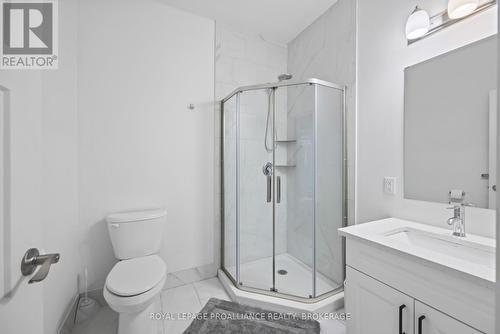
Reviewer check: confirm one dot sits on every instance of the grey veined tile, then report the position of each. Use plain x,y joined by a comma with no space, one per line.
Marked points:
176,304
210,288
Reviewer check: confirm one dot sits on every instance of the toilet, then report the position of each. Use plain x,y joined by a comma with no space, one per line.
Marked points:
138,278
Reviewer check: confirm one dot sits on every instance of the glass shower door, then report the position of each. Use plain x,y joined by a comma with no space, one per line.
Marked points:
256,193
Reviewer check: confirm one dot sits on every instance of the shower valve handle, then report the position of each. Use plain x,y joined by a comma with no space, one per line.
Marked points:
267,169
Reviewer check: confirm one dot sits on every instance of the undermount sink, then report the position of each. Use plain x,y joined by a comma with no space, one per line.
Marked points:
452,247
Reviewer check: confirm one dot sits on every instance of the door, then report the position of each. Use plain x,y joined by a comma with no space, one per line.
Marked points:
20,226
431,321
269,189
376,308
255,133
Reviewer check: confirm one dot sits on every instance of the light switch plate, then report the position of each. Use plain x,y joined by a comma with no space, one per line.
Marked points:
390,185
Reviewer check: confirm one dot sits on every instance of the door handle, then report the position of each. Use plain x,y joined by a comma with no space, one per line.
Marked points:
269,185
32,259
420,320
401,308
278,185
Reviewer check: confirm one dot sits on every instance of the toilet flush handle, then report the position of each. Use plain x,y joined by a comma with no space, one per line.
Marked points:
115,225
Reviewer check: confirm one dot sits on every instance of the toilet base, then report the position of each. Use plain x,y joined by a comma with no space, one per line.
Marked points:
134,323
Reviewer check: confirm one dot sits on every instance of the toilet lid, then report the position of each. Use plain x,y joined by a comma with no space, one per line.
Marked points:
136,276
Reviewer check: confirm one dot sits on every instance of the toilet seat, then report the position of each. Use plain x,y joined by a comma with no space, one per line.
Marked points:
132,304
136,276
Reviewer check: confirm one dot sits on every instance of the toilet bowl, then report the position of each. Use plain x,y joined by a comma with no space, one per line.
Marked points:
131,288
135,282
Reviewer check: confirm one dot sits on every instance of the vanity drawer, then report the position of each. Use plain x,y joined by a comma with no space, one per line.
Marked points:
431,321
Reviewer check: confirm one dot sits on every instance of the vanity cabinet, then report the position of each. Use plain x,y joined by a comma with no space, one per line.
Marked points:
394,262
377,308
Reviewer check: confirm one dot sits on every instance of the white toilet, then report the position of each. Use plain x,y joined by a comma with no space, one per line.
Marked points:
135,281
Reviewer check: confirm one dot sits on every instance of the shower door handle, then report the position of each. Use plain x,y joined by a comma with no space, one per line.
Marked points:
269,185
278,190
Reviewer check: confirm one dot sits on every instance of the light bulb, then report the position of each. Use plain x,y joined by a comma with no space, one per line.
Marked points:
418,24
461,8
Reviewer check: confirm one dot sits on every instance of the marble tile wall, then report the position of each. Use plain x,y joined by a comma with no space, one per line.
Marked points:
327,50
242,59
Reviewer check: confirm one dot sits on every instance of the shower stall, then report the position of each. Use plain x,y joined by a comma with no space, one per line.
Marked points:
283,178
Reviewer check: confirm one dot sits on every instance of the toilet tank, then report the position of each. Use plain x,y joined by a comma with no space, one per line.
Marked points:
137,233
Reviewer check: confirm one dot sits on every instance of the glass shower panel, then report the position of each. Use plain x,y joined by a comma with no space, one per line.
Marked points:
329,189
284,188
294,183
255,188
229,183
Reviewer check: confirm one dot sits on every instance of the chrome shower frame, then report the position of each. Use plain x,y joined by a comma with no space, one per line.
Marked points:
311,81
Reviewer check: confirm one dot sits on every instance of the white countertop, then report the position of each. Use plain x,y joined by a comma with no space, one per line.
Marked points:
380,232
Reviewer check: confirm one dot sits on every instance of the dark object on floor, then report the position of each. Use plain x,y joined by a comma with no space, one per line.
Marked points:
223,317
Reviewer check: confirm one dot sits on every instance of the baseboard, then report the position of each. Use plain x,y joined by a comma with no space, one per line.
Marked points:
69,318
97,296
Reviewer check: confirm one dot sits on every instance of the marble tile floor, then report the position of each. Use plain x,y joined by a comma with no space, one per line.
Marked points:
189,298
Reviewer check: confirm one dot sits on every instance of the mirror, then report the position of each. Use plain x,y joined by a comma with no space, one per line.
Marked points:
450,132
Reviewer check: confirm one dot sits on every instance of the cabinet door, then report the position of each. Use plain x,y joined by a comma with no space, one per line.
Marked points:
376,308
431,321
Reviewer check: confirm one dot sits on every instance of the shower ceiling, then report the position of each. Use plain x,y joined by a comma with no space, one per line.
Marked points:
277,21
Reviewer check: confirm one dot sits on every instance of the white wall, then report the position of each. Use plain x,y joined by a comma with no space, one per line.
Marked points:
140,65
382,56
59,169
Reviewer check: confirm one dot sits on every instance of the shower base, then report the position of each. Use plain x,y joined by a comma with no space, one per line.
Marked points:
297,282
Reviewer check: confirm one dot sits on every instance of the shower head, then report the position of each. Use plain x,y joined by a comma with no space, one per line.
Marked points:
284,77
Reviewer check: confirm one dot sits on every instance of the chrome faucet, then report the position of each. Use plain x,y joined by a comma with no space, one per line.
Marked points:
458,219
